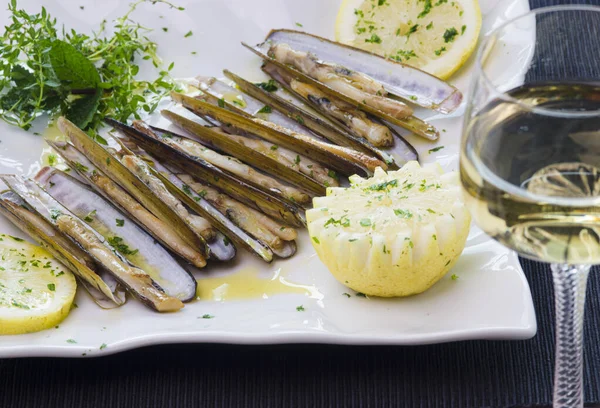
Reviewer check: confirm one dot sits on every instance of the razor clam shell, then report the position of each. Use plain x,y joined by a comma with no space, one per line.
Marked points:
136,280
247,155
223,181
300,143
406,82
151,256
411,123
71,155
318,125
115,170
63,249
403,148
288,247
220,246
198,203
220,90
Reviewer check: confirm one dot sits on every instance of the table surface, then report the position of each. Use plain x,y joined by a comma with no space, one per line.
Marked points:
466,374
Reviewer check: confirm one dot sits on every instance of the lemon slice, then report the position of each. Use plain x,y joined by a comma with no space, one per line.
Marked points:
36,291
395,234
437,36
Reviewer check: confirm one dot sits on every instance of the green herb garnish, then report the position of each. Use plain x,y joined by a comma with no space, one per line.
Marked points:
86,78
119,222
269,86
436,149
117,243
265,109
449,34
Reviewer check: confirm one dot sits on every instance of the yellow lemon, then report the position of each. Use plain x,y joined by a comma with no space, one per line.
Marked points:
395,234
36,291
437,36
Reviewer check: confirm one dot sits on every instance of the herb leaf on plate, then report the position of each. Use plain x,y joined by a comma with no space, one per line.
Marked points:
52,71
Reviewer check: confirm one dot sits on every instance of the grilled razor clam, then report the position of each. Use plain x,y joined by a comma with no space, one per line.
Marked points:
236,167
345,160
132,277
378,134
162,231
66,251
263,228
140,169
216,89
308,64
301,163
138,247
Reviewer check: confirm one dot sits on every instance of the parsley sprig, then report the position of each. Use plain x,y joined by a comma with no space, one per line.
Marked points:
46,70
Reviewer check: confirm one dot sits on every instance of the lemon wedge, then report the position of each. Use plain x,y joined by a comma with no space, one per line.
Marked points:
395,234
36,291
437,36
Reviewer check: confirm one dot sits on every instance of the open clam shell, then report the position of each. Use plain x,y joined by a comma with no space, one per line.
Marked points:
142,249
406,82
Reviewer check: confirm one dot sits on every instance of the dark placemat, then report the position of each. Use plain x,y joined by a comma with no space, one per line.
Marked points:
461,375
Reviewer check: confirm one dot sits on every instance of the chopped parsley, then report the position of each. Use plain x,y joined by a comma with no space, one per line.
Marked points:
346,294
429,26
403,213
188,34
51,287
117,244
80,167
207,316
265,109
297,160
383,186
221,103
454,276
316,240
412,29
360,294
51,159
426,9
374,39
103,346
300,308
268,86
435,149
449,34
89,216
299,24
365,222
440,51
71,341
274,147
119,222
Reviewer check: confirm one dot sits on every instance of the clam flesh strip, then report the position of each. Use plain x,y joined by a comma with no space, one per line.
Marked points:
355,119
356,86
159,229
280,162
96,281
278,237
135,279
130,240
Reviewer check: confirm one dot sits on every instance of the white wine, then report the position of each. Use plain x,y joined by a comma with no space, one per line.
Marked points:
531,176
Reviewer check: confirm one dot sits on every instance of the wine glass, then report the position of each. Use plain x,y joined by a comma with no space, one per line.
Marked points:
530,159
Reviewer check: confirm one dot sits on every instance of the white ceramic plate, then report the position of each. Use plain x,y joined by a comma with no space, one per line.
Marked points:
489,300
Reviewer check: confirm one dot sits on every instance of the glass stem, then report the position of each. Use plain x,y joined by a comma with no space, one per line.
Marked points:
569,298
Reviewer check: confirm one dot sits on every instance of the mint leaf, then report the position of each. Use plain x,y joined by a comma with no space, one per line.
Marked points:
82,110
71,67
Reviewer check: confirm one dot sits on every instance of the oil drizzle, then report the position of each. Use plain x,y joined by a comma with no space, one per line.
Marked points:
249,284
